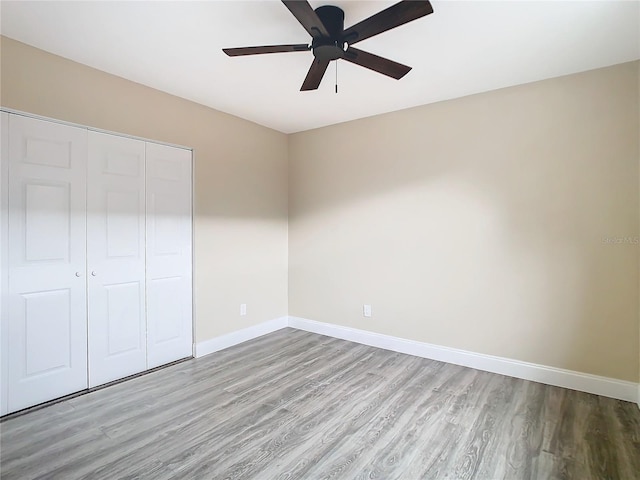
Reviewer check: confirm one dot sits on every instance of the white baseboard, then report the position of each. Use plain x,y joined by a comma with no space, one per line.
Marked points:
584,382
608,387
239,336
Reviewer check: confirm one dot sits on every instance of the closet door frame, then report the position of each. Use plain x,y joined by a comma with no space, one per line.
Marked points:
4,258
5,113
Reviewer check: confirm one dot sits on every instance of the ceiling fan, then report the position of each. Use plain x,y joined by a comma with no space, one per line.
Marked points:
330,41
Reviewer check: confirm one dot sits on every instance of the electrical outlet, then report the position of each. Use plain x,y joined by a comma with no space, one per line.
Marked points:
243,309
366,310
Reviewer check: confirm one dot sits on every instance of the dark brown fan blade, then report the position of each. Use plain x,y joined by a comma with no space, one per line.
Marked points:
315,74
392,17
307,17
236,52
377,64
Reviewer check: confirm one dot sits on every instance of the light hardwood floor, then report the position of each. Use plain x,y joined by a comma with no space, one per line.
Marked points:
296,405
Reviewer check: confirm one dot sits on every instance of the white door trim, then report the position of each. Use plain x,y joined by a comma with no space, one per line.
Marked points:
89,128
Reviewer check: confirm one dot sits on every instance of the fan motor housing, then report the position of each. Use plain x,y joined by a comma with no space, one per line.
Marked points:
331,47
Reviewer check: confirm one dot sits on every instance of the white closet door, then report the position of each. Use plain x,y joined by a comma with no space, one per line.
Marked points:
169,271
46,319
116,258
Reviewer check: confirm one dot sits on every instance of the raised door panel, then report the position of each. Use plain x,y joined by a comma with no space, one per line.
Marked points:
116,259
45,317
169,257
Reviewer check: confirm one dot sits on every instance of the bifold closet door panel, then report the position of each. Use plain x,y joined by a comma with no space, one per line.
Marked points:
45,320
169,268
116,257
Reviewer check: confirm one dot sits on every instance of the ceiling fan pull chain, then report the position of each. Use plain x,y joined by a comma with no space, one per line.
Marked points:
336,76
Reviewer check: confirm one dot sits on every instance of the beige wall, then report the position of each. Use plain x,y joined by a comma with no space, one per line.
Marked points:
475,223
240,177
478,223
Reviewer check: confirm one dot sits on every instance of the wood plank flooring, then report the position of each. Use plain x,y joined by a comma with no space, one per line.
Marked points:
296,405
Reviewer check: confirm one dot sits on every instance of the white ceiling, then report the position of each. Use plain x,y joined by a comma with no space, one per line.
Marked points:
464,47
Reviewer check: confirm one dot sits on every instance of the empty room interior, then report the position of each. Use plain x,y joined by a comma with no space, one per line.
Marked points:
326,239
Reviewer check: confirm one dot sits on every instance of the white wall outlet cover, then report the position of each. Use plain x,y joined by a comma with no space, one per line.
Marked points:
243,309
366,310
